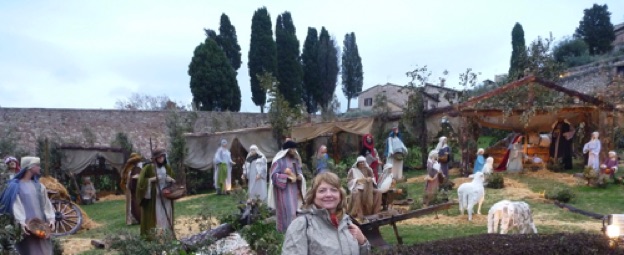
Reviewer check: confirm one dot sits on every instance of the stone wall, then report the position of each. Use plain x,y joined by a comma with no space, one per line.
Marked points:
99,127
588,78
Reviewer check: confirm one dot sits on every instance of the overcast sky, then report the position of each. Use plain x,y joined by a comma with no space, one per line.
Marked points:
88,54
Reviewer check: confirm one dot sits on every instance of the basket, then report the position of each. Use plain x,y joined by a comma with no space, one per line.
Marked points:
398,155
39,228
174,192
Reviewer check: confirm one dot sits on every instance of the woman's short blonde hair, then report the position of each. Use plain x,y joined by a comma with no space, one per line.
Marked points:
333,180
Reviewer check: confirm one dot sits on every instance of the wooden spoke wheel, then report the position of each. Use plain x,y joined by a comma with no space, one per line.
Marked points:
68,217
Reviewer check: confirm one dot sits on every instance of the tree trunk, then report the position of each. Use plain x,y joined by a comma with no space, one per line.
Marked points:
262,109
348,103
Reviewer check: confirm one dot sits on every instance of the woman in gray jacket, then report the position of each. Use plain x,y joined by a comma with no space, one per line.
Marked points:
322,227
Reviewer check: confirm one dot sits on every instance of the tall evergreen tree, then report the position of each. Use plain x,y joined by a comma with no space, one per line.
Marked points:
262,54
229,42
289,73
518,53
311,77
328,67
213,80
352,74
596,29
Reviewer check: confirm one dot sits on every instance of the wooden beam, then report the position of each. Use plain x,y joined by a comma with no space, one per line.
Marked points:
573,93
497,91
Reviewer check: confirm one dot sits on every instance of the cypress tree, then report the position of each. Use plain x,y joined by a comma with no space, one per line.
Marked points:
518,53
229,42
311,76
262,54
213,80
328,68
352,74
288,65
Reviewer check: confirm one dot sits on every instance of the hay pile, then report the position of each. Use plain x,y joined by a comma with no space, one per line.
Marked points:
568,179
53,184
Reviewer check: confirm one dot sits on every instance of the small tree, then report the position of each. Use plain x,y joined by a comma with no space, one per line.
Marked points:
123,141
518,53
596,29
571,52
138,101
177,125
281,115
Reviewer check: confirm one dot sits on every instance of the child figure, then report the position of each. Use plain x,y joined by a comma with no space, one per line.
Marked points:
432,179
610,166
488,168
479,162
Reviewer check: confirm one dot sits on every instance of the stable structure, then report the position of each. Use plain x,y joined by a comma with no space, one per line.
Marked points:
532,110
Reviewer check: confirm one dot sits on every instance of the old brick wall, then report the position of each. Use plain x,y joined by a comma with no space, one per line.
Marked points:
83,126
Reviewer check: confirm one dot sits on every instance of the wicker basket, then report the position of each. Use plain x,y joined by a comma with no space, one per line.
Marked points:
174,192
39,228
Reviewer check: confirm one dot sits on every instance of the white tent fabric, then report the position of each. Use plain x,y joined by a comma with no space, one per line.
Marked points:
202,147
76,160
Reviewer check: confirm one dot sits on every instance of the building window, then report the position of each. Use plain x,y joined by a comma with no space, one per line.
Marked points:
368,101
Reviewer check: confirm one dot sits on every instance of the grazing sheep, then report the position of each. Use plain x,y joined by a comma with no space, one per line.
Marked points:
471,193
512,215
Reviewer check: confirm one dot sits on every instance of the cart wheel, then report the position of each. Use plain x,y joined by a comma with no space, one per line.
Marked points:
68,218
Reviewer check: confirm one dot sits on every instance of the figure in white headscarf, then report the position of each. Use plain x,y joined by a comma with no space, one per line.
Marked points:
223,169
395,151
255,171
365,199
444,155
592,148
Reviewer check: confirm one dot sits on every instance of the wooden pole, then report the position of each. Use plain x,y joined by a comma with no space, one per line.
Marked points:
46,158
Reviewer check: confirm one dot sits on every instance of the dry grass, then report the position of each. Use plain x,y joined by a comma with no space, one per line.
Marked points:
72,246
558,177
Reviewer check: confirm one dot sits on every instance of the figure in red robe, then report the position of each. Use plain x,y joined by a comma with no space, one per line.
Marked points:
370,153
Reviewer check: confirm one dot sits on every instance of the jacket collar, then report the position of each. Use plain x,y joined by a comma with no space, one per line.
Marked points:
325,216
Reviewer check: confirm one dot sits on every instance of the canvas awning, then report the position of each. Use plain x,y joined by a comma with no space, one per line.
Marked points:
310,131
202,146
77,159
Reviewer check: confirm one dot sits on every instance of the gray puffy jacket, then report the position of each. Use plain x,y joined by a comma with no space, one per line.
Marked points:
313,233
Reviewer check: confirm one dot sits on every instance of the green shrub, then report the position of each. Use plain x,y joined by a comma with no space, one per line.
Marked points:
495,181
403,195
263,237
57,248
563,194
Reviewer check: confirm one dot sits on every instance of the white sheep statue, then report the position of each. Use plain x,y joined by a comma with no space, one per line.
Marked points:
511,215
471,193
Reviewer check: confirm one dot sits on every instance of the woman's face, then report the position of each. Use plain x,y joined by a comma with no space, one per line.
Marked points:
35,169
160,159
327,197
12,164
323,149
360,165
369,139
